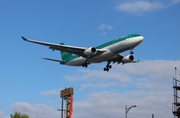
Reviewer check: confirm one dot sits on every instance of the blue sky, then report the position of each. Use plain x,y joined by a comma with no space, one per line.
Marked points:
31,85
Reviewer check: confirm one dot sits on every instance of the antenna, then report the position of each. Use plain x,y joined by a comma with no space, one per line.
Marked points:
175,72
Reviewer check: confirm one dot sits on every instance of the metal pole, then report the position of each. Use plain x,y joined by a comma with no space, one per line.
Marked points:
126,111
62,108
152,115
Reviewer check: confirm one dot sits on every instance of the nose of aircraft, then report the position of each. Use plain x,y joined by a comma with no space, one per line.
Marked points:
141,38
138,40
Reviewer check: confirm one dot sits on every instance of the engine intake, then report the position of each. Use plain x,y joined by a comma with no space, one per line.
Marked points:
90,51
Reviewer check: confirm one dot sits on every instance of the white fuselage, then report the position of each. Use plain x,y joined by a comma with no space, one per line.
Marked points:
110,51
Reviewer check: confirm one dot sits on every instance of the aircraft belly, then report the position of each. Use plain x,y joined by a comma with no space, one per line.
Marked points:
76,62
103,57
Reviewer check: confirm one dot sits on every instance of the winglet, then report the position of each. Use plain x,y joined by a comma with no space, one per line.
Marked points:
25,39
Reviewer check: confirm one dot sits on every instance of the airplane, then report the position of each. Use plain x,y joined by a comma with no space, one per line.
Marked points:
107,52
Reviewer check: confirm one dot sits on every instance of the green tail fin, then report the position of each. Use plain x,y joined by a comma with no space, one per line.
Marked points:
66,56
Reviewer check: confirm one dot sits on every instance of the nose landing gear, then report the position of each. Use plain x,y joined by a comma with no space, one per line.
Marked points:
131,51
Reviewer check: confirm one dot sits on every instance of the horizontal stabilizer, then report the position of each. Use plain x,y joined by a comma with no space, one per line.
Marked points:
62,62
136,61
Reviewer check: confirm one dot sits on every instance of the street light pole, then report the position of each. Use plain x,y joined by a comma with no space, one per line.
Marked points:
127,109
61,112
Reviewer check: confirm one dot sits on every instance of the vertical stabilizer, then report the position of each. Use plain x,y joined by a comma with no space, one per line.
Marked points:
66,56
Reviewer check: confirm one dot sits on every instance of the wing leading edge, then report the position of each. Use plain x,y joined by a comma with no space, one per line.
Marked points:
66,48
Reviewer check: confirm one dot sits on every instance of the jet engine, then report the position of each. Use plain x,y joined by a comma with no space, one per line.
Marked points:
90,51
127,59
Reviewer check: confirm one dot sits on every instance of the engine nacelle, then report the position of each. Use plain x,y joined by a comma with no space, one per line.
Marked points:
90,51
127,59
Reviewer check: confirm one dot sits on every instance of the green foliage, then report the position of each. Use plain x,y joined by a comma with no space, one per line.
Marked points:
19,115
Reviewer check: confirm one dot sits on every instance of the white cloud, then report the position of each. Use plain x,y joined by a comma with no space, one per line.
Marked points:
51,92
112,104
104,33
139,7
175,1
105,27
147,84
2,115
99,85
146,75
98,76
37,110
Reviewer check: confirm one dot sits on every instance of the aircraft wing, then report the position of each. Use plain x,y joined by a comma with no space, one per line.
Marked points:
123,59
117,59
71,49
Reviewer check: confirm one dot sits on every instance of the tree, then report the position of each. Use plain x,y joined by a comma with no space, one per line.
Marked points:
19,115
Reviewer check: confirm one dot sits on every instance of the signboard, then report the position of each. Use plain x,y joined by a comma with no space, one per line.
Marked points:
66,92
69,101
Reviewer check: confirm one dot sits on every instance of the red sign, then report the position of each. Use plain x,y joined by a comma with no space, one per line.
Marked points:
69,106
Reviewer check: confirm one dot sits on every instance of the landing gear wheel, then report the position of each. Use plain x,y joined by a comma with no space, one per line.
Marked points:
108,66
106,69
87,62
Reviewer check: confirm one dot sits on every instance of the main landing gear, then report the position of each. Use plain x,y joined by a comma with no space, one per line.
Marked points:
108,66
131,51
87,62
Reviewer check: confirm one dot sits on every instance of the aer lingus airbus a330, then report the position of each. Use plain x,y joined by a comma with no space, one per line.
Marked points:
109,52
